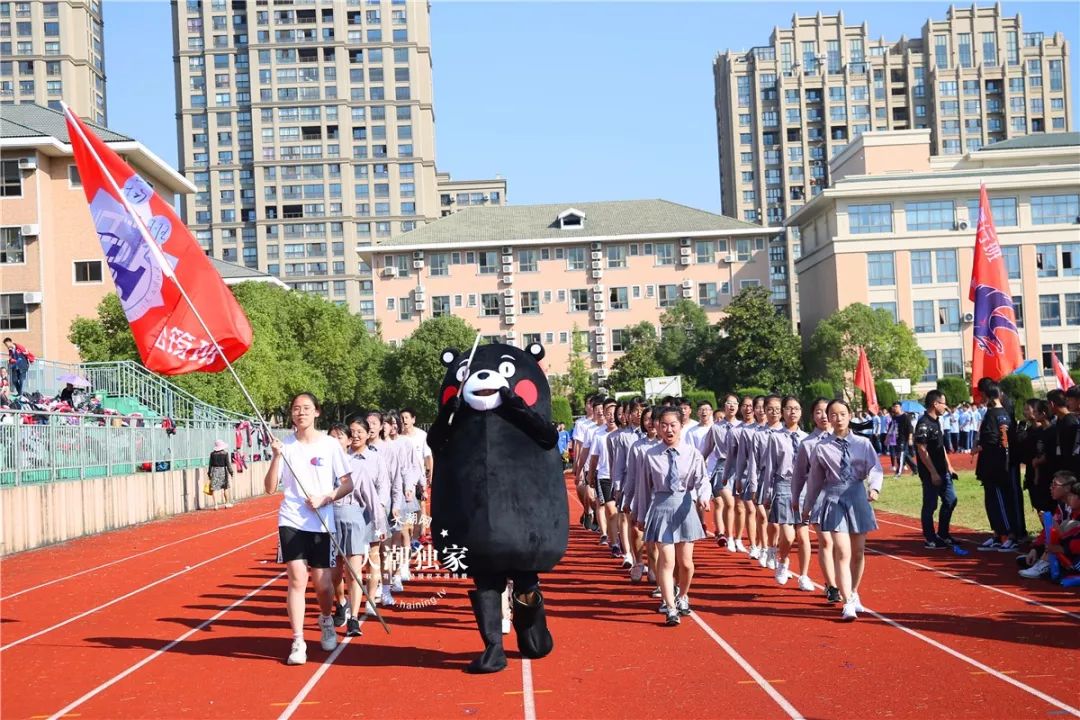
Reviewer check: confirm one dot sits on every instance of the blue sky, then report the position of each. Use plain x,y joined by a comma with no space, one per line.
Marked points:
569,101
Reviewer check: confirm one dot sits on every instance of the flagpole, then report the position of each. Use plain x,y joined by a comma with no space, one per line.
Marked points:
167,270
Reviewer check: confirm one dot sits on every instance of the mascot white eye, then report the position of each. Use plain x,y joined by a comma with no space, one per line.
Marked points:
462,373
507,369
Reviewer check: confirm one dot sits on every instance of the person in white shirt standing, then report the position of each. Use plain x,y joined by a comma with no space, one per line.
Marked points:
308,464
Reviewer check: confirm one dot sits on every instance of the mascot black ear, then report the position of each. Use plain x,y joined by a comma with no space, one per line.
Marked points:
449,355
536,350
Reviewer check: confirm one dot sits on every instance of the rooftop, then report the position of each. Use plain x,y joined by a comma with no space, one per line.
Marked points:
232,273
1039,140
29,121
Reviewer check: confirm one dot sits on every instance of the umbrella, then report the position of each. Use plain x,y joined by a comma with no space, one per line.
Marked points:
76,380
1031,368
912,406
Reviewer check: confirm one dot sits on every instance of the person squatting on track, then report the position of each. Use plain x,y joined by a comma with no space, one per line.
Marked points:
314,472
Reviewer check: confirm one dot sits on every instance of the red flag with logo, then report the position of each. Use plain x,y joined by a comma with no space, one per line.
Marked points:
864,380
996,340
151,255
1064,380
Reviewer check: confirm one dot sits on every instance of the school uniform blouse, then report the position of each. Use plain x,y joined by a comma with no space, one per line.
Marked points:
717,443
364,467
632,482
800,471
387,483
740,441
619,445
825,471
410,466
689,475
778,461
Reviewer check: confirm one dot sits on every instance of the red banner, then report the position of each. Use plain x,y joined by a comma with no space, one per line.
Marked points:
1065,381
864,380
150,256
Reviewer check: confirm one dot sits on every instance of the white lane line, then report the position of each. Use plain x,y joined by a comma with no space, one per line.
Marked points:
761,681
302,695
528,699
961,578
158,653
91,611
132,557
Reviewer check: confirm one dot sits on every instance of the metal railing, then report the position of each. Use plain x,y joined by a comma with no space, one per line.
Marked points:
68,446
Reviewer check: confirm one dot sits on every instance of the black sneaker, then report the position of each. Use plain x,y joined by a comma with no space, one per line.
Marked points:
672,618
832,594
341,613
352,628
949,542
584,520
935,544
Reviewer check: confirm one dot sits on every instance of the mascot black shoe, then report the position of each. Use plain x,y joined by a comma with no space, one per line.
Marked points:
498,497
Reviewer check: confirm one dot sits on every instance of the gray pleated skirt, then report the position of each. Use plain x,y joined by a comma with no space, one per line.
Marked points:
672,518
847,510
748,488
717,478
354,530
780,511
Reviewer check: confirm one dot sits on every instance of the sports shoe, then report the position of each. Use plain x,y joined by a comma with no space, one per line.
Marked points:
782,574
329,633
406,576
991,543
656,593
341,613
664,609
763,557
387,598
603,540
832,594
370,609
636,572
771,560
506,625
731,547
858,602
805,583
228,505
721,540
1008,546
935,544
352,627
850,611
616,551
298,653
395,585
672,618
1038,570
755,552
584,520
739,547
682,605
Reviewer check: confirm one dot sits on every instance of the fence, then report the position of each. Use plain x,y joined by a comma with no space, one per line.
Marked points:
77,446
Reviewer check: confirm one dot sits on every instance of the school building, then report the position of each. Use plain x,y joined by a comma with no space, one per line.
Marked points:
895,229
540,273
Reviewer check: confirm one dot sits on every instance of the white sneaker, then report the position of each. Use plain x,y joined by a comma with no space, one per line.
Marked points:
739,547
329,632
1008,546
850,611
298,653
755,552
636,572
663,609
858,602
682,605
763,558
406,576
805,583
782,574
506,626
369,609
772,558
395,585
1038,570
731,547
387,598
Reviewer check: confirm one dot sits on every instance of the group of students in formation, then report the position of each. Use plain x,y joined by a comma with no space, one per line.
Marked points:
648,476
351,504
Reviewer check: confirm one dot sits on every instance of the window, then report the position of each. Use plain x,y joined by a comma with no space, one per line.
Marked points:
88,271
952,362
10,179
1070,259
924,316
527,261
1072,309
870,218
438,264
669,295
1050,310
616,256
575,258
488,261
880,269
579,300
964,46
707,295
1046,260
12,246
12,312
1047,360
946,265
665,253
489,304
921,268
989,51
1045,209
929,215
530,303
889,307
1003,210
941,51
618,340
1018,306
617,299
949,315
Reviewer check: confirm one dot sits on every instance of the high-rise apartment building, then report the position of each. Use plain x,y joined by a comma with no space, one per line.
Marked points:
784,110
308,129
456,195
51,51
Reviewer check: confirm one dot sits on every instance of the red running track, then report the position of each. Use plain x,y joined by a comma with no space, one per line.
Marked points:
186,618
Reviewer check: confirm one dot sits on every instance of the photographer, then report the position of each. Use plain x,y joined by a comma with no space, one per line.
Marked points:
935,472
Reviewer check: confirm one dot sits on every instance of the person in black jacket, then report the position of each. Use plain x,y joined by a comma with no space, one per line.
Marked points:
993,468
905,447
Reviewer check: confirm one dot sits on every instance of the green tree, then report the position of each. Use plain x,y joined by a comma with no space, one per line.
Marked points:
576,383
956,389
886,393
105,337
1019,390
629,371
416,367
686,335
755,347
891,347
560,411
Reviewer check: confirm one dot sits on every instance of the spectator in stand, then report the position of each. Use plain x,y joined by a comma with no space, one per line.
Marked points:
935,472
1031,449
67,394
18,364
5,384
904,445
220,471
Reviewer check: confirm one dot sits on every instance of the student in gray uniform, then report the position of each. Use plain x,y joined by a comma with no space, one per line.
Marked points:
779,467
841,467
718,444
674,480
799,475
770,532
619,445
633,485
742,441
391,496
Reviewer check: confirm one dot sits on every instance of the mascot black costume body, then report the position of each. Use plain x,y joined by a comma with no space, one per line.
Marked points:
498,489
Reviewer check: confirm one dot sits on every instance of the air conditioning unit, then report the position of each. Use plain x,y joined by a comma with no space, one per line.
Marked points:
508,292
960,225
418,264
597,265
597,255
507,250
31,298
511,335
508,278
598,315
598,287
687,283
599,331
510,319
597,246
508,302
598,296
418,255
687,292
30,230
28,163
601,357
684,251
388,272
508,258
729,258
597,274
508,267
419,292
969,317
420,305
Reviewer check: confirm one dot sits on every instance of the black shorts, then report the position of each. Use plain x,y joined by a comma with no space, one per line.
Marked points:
603,490
313,547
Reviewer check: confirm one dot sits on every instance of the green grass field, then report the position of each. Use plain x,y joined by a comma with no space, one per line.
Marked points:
904,496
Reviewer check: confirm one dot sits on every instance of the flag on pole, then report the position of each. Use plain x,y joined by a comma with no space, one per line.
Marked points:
154,260
996,340
864,380
1064,380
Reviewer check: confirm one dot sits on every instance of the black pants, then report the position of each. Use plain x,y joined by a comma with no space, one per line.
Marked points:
17,375
524,582
1005,506
931,493
905,452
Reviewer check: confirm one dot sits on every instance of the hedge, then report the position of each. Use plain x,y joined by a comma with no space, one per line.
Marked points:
886,394
955,388
1019,390
699,396
751,391
560,411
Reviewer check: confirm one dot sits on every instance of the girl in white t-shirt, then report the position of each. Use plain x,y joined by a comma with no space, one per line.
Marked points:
306,464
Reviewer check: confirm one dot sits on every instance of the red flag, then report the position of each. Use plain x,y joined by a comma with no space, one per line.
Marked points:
864,380
996,340
1064,380
151,255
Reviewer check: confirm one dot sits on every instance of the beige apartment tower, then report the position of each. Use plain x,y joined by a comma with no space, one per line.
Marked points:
52,51
308,129
784,110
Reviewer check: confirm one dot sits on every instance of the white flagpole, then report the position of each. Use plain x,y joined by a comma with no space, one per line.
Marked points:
159,256
468,364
